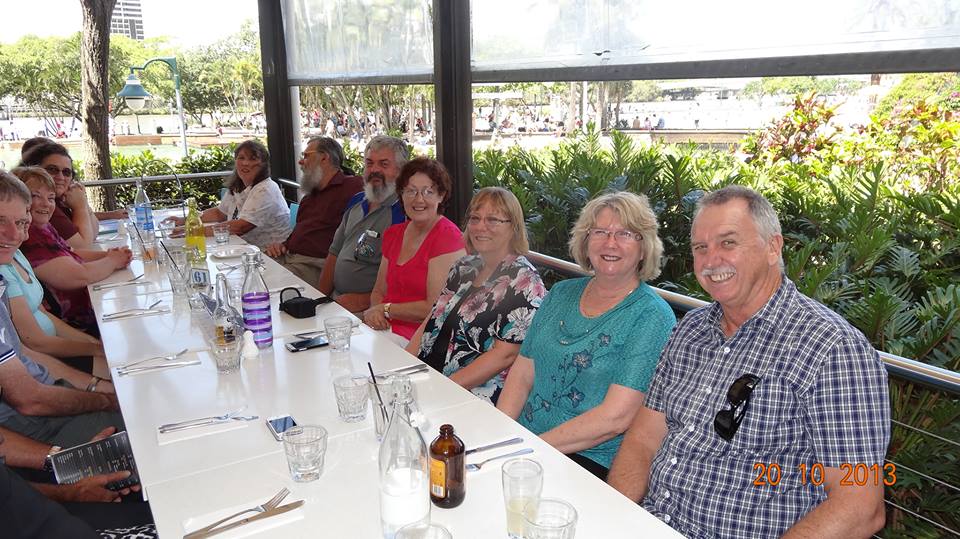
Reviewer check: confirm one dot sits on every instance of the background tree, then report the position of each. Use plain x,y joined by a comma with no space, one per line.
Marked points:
94,59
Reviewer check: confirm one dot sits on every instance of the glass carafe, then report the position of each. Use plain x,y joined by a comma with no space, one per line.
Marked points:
404,477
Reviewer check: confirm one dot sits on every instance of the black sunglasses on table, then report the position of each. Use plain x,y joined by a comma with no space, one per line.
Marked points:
728,421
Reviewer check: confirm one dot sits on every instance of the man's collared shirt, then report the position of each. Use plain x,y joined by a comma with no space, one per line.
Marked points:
356,269
822,400
320,213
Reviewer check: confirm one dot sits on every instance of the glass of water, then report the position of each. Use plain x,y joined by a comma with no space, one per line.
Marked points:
221,233
305,447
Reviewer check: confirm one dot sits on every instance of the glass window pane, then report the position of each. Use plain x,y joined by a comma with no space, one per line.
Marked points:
356,38
566,33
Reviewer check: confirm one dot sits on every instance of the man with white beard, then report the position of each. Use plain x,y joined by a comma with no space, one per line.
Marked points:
326,190
351,267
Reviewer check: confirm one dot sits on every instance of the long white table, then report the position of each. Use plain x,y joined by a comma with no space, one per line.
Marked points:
191,482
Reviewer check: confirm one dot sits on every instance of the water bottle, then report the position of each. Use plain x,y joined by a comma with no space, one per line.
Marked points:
255,299
222,323
404,479
143,210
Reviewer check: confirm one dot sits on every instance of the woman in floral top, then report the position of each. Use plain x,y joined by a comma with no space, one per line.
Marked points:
481,317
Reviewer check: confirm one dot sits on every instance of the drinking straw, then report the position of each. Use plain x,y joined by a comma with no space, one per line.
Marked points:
373,378
143,248
169,257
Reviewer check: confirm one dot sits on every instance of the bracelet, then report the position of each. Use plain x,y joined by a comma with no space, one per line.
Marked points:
92,386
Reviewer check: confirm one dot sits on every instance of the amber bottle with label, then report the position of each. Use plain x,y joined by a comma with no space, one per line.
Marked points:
447,472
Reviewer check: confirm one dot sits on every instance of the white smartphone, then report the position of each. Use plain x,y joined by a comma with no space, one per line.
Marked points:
278,425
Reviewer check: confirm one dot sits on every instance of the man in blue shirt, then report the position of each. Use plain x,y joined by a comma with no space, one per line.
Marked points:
762,402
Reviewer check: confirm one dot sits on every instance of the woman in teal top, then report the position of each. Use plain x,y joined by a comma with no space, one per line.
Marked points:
594,343
37,328
29,288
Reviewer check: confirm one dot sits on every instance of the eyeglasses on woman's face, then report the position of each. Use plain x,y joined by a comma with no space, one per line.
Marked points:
53,170
491,222
623,236
411,193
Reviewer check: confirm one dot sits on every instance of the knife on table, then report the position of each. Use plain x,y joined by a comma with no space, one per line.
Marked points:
266,514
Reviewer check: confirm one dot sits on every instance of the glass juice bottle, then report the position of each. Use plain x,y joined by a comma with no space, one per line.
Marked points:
447,469
195,237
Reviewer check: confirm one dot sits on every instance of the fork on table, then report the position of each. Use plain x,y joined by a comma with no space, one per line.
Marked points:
272,503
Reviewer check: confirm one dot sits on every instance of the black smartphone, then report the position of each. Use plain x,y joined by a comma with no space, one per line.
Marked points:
306,344
278,425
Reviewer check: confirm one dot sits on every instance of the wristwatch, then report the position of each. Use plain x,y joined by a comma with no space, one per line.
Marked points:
48,461
386,310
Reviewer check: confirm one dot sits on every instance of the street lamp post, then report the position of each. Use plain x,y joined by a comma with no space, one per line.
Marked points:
135,95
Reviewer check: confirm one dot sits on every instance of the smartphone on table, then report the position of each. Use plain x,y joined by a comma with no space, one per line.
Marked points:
306,344
278,425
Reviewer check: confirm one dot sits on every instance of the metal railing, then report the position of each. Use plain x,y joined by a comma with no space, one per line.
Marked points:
939,381
192,176
899,366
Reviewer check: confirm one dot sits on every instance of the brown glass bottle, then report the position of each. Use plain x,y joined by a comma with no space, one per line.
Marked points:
447,472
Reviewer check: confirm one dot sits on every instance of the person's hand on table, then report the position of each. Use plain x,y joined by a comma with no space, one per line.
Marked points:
120,257
276,249
178,221
355,303
374,317
75,197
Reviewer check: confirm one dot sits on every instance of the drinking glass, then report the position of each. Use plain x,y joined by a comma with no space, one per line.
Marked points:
339,329
351,393
221,232
226,354
305,447
522,483
423,531
176,269
549,518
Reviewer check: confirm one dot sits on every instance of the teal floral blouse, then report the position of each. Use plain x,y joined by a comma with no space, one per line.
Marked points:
501,308
576,359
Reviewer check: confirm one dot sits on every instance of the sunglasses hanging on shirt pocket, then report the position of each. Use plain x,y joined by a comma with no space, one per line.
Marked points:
299,306
368,247
727,422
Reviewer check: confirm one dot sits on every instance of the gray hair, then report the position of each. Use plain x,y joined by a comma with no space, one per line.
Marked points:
11,188
331,148
762,212
398,146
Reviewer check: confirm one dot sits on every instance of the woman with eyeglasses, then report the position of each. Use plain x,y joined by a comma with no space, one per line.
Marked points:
65,271
595,341
73,218
253,206
417,254
481,317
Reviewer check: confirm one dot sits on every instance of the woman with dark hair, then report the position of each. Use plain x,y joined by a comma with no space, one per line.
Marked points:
73,218
65,271
417,254
253,206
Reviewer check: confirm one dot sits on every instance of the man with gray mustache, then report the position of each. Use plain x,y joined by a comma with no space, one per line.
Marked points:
354,256
763,402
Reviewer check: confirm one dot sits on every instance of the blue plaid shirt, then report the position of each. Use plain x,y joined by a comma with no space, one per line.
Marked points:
822,398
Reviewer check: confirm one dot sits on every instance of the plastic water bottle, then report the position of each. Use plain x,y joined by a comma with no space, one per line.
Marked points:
255,299
143,210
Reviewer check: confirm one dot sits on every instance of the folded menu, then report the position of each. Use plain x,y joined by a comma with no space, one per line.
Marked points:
111,454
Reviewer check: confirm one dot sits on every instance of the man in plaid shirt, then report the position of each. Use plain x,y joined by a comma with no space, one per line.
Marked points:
768,414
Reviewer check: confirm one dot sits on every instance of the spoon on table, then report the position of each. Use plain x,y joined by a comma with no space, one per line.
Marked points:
170,357
135,309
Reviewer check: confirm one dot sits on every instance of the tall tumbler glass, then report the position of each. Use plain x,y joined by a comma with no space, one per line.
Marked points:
522,484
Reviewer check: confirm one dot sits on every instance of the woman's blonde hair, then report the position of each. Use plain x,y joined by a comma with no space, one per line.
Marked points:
38,174
635,215
501,200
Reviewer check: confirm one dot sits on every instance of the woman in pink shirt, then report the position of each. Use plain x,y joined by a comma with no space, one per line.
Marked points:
417,254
